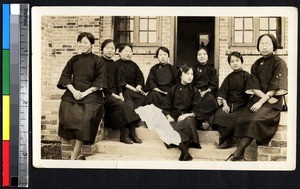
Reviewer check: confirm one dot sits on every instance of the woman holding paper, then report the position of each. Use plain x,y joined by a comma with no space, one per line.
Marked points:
182,109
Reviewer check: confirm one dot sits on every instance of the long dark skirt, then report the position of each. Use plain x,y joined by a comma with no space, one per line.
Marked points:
118,113
225,122
209,103
79,121
187,131
261,125
134,99
155,98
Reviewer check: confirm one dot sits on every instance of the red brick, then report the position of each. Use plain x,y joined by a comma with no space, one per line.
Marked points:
278,158
277,143
268,150
262,158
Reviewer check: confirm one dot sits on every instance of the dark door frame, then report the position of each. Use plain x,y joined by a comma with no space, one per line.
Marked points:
216,42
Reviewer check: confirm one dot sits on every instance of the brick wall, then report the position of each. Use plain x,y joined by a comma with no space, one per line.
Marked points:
276,150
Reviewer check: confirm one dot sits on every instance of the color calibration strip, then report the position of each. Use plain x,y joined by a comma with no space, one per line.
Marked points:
6,95
15,95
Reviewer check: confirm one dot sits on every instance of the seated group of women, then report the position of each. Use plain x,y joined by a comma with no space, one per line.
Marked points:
187,96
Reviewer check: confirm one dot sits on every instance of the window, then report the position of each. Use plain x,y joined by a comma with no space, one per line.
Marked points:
137,31
271,25
246,30
243,30
124,29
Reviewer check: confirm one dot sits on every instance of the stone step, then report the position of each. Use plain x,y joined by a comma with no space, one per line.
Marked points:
157,150
146,134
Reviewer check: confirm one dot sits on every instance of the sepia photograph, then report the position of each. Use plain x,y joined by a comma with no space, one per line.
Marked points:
164,87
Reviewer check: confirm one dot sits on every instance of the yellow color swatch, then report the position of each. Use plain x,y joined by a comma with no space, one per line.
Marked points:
6,117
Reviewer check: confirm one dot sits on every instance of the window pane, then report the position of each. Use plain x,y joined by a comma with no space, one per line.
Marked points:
273,33
238,23
262,32
152,24
263,23
273,24
121,25
143,24
248,24
238,36
248,36
152,37
143,37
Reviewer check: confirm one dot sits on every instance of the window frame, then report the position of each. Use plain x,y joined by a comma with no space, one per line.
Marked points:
256,32
136,32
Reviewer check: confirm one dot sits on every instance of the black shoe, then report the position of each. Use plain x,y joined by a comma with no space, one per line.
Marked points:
135,139
181,157
80,158
126,140
187,157
233,158
224,145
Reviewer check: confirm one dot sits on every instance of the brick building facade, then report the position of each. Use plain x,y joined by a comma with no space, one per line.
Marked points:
58,43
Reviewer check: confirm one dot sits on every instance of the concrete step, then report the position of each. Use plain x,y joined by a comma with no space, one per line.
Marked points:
155,149
204,136
146,134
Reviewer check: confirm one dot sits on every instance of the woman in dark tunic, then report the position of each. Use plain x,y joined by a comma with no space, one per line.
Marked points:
133,76
161,77
181,108
80,110
233,100
206,80
118,115
268,83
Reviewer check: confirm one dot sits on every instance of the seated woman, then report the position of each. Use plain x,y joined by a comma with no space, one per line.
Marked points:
181,108
206,80
118,115
81,107
233,100
133,76
267,82
161,77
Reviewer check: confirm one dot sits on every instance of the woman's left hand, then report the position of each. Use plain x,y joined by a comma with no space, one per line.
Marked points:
182,117
273,100
256,107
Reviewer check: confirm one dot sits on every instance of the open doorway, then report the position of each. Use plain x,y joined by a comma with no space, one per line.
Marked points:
193,32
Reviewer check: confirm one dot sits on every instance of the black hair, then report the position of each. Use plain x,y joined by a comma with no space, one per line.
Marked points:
105,42
122,47
236,54
88,35
165,49
273,39
184,68
203,49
